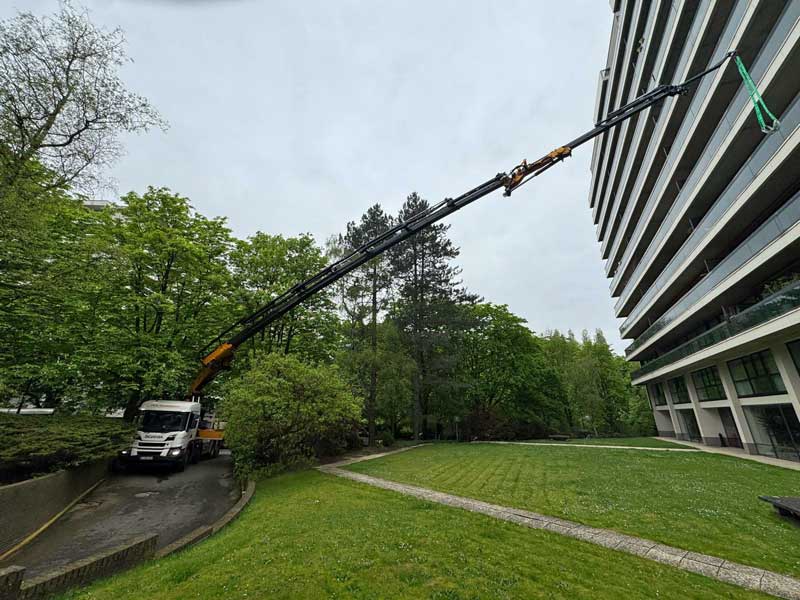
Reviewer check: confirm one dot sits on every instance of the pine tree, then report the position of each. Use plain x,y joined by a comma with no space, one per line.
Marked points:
366,294
428,308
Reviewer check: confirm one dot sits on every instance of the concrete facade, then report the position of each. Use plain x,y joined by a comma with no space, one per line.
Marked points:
698,218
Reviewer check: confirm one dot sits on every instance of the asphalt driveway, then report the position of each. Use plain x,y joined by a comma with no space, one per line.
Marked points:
132,504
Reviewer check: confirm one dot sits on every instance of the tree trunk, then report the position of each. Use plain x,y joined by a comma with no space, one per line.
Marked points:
417,406
23,396
373,370
132,406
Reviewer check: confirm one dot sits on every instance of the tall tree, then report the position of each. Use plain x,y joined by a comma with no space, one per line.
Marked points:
48,290
63,104
366,293
265,266
510,385
563,351
427,311
169,290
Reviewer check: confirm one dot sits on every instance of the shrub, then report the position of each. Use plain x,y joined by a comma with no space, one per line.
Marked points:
282,412
37,444
386,439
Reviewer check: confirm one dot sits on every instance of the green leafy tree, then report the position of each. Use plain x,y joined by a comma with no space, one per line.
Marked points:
562,351
48,293
509,384
394,373
264,266
281,412
167,288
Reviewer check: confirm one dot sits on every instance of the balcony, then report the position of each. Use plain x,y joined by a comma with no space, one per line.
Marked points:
776,226
780,303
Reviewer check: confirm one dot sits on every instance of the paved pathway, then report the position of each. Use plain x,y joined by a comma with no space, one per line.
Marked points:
738,453
561,444
131,505
711,566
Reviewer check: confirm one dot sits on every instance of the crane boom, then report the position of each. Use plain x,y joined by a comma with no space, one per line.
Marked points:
226,343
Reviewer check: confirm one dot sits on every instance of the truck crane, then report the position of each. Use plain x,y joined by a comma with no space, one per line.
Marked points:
177,432
159,443
219,354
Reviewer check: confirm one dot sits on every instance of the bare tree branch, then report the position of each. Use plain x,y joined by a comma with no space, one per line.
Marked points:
62,102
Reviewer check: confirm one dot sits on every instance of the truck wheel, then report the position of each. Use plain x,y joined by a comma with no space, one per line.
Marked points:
181,466
216,449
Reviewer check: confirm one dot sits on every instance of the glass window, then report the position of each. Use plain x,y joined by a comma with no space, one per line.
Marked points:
161,421
756,375
690,425
708,384
775,429
657,394
678,390
794,350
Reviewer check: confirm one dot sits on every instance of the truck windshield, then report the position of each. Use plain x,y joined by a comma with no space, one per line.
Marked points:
161,421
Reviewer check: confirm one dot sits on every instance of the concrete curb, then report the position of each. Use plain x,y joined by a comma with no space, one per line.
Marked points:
720,569
207,531
14,587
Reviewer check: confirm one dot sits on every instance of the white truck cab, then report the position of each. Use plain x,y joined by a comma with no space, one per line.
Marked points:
167,433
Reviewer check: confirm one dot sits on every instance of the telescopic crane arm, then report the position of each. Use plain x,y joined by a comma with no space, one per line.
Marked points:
226,343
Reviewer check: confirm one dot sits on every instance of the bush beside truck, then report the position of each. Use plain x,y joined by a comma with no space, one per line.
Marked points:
283,413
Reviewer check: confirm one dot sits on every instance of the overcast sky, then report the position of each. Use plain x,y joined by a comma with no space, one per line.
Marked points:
292,117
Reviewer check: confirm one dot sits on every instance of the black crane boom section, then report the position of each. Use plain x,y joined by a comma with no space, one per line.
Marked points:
245,328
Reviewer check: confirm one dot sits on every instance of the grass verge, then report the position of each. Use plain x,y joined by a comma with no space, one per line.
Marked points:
38,444
309,535
697,501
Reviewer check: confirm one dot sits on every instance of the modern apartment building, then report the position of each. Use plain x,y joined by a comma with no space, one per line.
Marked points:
698,218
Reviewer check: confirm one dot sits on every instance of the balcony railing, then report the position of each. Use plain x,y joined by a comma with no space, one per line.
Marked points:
770,308
784,219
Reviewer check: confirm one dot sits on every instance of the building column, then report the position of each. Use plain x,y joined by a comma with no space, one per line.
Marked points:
708,419
664,423
736,408
789,374
677,423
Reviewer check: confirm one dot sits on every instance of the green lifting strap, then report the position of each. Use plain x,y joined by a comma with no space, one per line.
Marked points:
758,101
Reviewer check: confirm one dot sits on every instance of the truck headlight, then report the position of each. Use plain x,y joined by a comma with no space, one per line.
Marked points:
175,452
125,452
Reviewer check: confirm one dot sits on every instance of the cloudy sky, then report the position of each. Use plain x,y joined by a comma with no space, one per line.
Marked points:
292,117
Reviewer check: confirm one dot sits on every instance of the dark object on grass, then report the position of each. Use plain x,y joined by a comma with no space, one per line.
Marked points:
787,506
559,437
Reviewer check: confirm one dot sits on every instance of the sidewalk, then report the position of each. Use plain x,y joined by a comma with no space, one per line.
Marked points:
606,446
737,453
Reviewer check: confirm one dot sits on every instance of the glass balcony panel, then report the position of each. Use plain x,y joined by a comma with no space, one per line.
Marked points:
774,306
785,218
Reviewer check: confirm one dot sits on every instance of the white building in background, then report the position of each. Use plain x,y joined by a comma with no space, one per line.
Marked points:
698,218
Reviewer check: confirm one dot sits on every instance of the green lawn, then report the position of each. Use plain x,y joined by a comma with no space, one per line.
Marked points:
644,442
309,535
698,501
37,444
